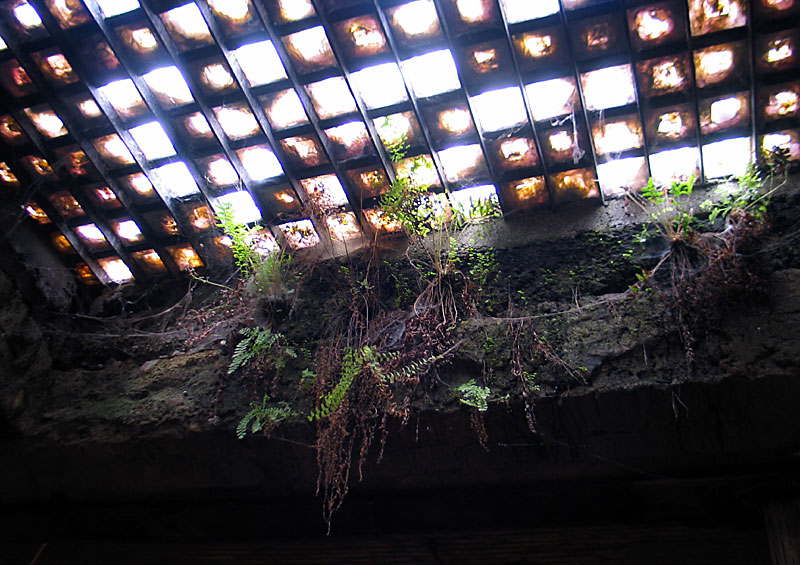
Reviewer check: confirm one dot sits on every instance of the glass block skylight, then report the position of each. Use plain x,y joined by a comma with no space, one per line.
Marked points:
125,123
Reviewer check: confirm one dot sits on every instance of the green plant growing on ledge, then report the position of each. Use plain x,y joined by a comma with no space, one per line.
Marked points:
260,344
474,395
263,417
668,208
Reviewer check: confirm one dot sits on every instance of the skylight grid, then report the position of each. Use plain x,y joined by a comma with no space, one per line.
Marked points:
214,101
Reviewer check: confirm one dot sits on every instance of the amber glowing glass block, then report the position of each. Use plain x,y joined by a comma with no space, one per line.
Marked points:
215,77
162,223
560,146
326,191
350,141
66,205
286,11
514,153
185,257
104,197
91,235
665,75
196,128
655,24
138,186
414,23
187,27
149,261
343,227
15,79
535,48
600,36
527,193
309,50
84,274
300,234
7,176
303,151
453,121
37,165
723,112
574,185
116,269
485,60
619,176
62,244
665,125
285,201
68,13
113,150
139,40
34,211
381,223
55,67
617,135
127,230
235,16
419,170
201,217
11,131
284,109
361,37
75,161
779,101
369,181
778,51
707,16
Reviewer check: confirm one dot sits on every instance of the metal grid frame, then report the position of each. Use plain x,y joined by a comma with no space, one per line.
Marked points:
463,25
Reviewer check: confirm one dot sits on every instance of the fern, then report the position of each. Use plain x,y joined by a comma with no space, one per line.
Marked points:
352,364
256,343
263,417
473,395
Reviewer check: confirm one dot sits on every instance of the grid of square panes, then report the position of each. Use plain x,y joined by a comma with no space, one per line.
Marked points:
135,119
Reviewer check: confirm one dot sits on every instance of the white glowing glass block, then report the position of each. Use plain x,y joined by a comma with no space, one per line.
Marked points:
331,97
187,20
417,18
608,88
260,63
729,157
325,189
47,122
499,109
432,73
216,76
460,159
3,44
674,165
129,231
27,15
221,173
776,140
168,84
550,98
467,199
237,122
380,86
419,170
620,175
310,44
91,234
260,163
616,137
300,234
236,10
243,206
175,180
725,110
115,7
153,141
524,10
343,226
286,110
122,95
115,269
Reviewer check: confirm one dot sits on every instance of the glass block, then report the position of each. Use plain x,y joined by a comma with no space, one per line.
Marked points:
284,109
664,125
617,135
620,175
127,230
560,146
779,101
303,151
55,67
84,274
285,11
11,131
717,64
260,63
219,171
674,165
7,176
326,191
187,27
175,181
66,205
244,207
215,77
35,212
300,234
153,141
523,10
499,109
200,216
124,98
419,170
552,98
655,24
309,49
608,88
37,165
139,186
380,86
162,223
785,139
527,193
169,87
116,269
369,181
140,41
113,150
111,8
15,79
260,162
514,153
706,16
398,129
331,97
26,16
97,55
381,223
431,74
61,243
91,235
46,121
88,108
75,161
343,227
237,121
777,52
185,257
197,127
149,261
68,13
462,162
724,112
665,75
543,46
350,140
574,185
727,158
414,23
235,16
104,197
601,36
475,201
361,37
